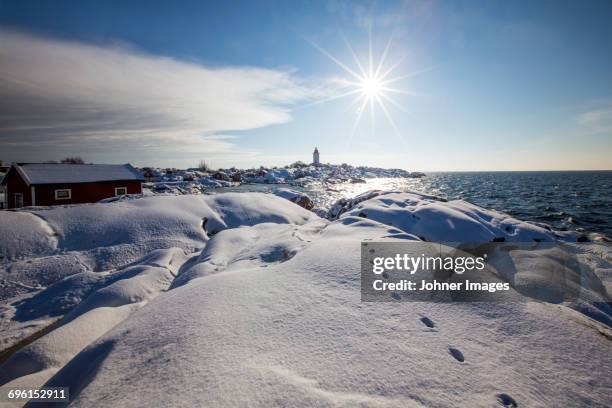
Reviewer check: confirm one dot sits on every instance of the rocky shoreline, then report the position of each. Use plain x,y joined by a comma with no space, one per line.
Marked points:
197,180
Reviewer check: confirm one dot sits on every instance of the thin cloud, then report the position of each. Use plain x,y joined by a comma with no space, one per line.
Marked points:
596,121
59,94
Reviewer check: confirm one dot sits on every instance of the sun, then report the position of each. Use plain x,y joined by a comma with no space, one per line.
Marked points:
369,84
371,87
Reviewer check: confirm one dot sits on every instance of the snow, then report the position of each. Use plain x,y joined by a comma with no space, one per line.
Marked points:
46,173
264,243
176,181
288,194
301,199
82,242
296,334
135,227
260,306
433,219
24,235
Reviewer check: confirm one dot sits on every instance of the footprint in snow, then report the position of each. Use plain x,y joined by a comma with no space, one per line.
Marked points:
457,354
427,321
506,401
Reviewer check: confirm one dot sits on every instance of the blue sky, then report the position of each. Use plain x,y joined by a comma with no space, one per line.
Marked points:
497,85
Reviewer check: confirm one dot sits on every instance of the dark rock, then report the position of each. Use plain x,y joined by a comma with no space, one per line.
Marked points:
305,202
221,176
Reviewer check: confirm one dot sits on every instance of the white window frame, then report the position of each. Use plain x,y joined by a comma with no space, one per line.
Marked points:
117,188
69,190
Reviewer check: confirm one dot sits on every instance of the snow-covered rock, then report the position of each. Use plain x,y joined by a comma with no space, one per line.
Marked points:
297,197
276,332
343,205
122,293
45,245
24,234
434,219
259,304
156,222
212,183
191,181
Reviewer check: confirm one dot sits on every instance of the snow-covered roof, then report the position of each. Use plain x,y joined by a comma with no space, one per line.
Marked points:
47,173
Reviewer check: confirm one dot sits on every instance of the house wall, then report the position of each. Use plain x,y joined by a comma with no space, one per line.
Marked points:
84,192
80,192
14,185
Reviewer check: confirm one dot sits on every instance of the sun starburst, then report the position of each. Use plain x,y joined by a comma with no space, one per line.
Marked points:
371,87
369,84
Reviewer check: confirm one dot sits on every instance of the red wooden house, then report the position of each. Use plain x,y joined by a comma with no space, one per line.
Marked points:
54,184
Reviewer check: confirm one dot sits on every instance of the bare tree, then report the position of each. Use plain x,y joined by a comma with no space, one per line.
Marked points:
73,160
203,166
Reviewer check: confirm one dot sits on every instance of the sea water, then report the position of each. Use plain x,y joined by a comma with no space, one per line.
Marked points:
564,199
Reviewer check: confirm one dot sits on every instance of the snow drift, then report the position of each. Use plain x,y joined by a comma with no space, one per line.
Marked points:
83,243
248,299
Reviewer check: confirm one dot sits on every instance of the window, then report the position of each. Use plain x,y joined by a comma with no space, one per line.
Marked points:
18,200
119,191
64,194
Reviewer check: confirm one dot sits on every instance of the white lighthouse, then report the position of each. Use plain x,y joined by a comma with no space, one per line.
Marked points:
315,157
